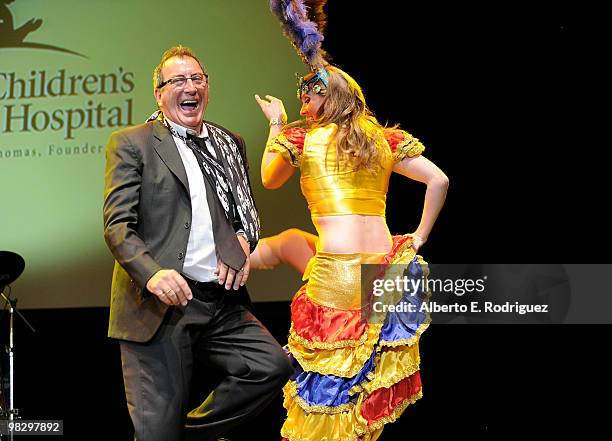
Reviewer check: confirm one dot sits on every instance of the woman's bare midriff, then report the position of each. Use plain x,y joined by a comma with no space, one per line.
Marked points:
353,233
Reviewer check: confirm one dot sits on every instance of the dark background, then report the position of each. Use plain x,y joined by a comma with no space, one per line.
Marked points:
504,97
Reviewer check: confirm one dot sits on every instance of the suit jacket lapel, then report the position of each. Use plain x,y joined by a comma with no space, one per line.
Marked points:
164,145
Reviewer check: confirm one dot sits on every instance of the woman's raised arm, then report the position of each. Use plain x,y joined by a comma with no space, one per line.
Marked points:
275,170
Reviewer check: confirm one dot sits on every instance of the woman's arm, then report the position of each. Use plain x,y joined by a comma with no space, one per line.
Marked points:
423,170
275,170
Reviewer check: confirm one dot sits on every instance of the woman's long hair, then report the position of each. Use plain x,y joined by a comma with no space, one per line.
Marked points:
360,140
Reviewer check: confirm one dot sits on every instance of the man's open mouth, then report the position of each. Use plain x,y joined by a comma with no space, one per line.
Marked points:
189,105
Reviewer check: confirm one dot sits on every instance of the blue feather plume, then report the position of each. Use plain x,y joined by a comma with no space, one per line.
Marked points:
305,34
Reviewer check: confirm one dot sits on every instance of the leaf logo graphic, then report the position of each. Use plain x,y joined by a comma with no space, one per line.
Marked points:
12,37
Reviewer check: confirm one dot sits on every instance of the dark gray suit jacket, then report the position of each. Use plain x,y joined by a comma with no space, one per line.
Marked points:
147,220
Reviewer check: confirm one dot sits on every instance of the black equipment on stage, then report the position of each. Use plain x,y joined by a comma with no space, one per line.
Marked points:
11,267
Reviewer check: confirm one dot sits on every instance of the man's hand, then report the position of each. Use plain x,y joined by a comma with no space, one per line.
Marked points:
170,287
230,277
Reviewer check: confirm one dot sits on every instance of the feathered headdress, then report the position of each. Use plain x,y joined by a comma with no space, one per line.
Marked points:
303,23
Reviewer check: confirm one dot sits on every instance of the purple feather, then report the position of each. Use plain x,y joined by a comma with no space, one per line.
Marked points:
297,26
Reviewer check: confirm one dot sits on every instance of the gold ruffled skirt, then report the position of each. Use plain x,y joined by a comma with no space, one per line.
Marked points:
352,375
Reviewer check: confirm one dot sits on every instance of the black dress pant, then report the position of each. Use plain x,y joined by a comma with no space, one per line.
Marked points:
215,333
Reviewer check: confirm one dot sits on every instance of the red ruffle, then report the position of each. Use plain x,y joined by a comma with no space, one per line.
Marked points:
296,136
394,137
382,402
318,323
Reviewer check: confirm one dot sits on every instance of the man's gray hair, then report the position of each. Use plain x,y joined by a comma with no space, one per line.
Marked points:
176,51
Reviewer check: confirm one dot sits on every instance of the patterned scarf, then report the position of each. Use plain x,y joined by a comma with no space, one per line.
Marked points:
227,174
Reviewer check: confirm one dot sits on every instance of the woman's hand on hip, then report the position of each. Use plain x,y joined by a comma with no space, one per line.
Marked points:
417,241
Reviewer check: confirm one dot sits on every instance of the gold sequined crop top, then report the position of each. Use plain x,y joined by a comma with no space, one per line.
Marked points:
333,192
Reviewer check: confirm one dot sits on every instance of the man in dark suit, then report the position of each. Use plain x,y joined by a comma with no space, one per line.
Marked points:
180,221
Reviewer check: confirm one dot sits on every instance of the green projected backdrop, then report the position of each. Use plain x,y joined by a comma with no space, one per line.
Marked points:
71,72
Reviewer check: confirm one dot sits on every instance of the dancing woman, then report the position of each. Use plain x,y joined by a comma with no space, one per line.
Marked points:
351,376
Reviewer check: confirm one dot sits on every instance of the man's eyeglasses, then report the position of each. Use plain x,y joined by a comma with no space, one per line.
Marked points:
179,82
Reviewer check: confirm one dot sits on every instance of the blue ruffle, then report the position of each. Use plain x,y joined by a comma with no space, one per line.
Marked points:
403,325
328,390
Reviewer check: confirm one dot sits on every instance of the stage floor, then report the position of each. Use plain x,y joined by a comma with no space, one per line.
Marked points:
477,379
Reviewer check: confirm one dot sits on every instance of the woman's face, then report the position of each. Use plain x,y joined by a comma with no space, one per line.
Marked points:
311,103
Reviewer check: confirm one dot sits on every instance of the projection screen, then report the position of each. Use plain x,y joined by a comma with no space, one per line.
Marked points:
71,73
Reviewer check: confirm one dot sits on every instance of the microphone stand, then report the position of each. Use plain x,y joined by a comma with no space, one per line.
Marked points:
12,412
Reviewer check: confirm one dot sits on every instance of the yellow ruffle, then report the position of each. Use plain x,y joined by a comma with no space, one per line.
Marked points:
345,426
408,148
392,366
288,150
342,362
326,345
303,426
